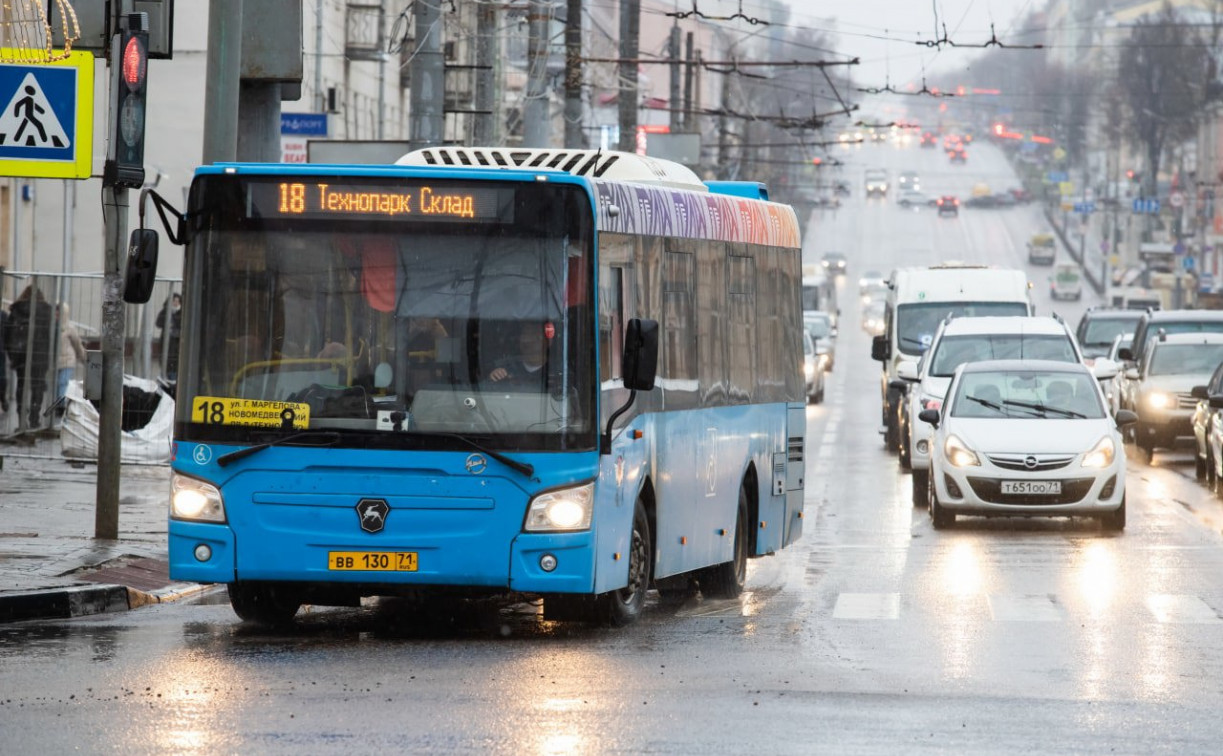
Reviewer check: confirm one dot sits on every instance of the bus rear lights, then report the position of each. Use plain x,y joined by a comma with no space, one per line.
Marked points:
565,509
547,563
203,553
194,499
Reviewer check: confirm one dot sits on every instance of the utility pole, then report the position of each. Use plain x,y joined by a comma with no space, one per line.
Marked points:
537,115
674,97
486,26
574,136
722,140
630,29
221,87
688,118
425,120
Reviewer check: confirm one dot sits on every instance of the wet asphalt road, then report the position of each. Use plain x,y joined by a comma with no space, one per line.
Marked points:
872,635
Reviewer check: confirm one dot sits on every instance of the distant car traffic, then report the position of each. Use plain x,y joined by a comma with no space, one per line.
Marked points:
871,279
1042,249
835,263
1066,282
813,372
948,205
823,333
958,155
911,198
1026,438
908,181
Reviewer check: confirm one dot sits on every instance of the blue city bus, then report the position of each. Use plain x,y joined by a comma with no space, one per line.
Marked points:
566,374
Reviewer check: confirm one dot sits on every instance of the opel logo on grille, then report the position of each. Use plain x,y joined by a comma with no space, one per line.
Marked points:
1029,462
372,514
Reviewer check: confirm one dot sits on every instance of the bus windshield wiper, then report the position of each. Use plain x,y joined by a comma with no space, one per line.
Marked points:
525,468
327,438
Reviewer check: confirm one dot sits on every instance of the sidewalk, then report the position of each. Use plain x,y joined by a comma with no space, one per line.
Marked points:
50,563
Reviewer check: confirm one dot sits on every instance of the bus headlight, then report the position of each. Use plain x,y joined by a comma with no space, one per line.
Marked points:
193,499
566,509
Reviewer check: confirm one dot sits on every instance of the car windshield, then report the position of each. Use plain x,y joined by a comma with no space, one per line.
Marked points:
1027,394
916,323
954,351
1102,331
819,328
1185,359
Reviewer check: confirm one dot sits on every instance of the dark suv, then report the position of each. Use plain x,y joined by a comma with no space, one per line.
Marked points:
1149,326
1100,326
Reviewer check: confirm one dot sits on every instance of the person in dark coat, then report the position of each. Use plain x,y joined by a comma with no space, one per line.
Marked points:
172,311
31,315
3,364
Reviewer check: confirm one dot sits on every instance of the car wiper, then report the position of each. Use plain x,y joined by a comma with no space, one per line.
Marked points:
986,403
522,467
328,438
1044,408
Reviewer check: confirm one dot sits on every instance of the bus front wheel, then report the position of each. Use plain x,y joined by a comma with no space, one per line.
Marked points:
624,606
727,580
263,604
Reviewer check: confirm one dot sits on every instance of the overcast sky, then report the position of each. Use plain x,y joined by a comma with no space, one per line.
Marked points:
884,33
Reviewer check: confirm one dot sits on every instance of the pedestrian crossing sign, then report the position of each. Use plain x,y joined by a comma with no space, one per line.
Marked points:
46,126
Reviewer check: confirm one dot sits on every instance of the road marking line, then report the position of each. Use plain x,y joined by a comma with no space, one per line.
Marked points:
867,606
1024,608
1181,609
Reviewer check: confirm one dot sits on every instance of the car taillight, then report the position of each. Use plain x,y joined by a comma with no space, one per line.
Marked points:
940,200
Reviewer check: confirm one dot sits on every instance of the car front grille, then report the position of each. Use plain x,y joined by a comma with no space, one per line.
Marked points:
1186,401
990,490
1019,461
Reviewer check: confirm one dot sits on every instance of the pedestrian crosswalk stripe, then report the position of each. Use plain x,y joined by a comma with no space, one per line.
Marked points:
29,120
1180,609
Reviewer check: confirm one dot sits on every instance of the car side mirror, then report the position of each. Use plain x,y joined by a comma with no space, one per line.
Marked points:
640,356
1125,417
1199,392
1125,353
879,348
1104,369
141,271
907,371
931,416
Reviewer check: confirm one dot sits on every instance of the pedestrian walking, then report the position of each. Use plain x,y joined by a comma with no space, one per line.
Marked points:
27,339
71,354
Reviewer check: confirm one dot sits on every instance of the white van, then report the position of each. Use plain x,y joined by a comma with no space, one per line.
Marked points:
918,300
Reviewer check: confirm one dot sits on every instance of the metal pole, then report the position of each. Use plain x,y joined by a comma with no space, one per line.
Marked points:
382,96
221,89
688,119
259,122
320,97
674,96
630,28
536,114
486,27
574,136
425,117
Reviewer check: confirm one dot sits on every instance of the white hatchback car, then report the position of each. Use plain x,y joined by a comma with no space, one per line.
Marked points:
1026,438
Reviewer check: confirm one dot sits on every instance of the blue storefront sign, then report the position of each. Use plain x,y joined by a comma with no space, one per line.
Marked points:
303,124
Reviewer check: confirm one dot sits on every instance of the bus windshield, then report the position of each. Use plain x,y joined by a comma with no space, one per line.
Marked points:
397,313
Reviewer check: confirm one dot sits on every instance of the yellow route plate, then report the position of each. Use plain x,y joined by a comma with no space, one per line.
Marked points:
219,410
372,561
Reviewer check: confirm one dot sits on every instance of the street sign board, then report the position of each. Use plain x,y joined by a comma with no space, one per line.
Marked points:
1188,262
1084,207
1176,199
46,126
1146,205
1057,177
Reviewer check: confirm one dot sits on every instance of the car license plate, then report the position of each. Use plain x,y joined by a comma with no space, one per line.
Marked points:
1036,487
372,561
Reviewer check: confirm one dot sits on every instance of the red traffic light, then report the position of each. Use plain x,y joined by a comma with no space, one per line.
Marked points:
135,63
816,161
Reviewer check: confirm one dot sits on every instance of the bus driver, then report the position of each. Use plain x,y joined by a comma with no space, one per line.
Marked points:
526,366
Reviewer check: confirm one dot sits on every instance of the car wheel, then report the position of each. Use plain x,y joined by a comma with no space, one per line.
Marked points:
819,396
1199,467
940,518
905,451
263,604
1115,520
1146,445
921,487
727,580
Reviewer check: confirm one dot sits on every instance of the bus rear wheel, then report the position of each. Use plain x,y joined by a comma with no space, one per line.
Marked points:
263,604
624,606
727,580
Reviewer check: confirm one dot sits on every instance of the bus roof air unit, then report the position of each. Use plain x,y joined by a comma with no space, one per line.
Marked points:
604,164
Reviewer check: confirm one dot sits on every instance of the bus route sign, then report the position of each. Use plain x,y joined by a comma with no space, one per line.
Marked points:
46,126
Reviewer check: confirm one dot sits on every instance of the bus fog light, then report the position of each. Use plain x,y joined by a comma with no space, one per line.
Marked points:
203,553
564,509
194,499
547,563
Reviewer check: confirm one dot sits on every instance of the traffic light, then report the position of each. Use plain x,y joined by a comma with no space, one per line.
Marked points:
129,92
816,161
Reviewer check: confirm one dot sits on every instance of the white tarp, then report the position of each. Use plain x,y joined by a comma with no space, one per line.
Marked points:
78,434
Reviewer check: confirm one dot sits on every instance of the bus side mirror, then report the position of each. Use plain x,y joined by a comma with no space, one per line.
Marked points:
141,266
640,358
879,348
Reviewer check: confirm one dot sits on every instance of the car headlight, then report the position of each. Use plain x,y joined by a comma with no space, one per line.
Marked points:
809,369
194,499
1159,400
566,509
1101,455
958,454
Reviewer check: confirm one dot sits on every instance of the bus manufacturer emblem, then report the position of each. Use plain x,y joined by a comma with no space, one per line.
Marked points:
372,514
476,464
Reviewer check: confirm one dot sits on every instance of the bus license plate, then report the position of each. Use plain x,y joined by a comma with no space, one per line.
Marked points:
372,561
1036,487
